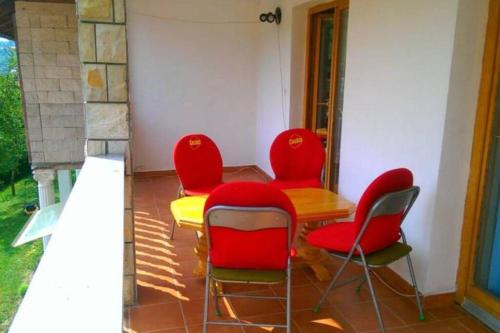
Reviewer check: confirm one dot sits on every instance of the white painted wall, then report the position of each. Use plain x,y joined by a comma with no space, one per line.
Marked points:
192,77
457,144
411,86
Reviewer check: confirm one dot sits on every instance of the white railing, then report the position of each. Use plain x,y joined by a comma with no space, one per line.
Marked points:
78,285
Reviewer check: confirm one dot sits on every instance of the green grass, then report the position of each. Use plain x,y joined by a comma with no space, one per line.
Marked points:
16,264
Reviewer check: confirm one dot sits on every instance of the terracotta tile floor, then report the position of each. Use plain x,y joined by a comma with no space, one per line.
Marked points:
171,298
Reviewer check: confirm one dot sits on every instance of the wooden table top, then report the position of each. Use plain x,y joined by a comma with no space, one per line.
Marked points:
311,205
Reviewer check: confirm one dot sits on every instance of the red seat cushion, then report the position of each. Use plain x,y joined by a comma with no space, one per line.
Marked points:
381,232
198,163
201,190
340,237
287,184
297,154
259,249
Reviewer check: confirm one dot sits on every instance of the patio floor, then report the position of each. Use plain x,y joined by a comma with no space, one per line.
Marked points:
171,298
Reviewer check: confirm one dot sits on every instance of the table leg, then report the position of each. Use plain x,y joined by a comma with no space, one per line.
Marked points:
312,256
201,251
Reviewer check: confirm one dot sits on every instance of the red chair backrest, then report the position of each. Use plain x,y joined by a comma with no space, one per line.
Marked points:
197,161
382,230
266,247
297,154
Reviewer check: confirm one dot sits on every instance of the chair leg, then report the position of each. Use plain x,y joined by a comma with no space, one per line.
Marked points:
216,299
205,311
421,315
180,194
332,284
360,285
372,292
171,237
289,299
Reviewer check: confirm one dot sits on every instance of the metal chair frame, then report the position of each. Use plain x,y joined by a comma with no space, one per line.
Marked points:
180,194
209,278
389,204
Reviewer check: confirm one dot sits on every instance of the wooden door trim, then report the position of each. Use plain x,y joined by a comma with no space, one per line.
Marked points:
310,87
479,163
306,120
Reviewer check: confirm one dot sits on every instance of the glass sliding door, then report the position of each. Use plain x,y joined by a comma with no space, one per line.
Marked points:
325,80
479,271
487,275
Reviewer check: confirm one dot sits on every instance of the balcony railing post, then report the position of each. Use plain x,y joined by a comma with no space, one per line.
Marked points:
65,184
46,197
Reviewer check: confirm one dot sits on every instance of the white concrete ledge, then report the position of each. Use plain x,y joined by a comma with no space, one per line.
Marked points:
78,284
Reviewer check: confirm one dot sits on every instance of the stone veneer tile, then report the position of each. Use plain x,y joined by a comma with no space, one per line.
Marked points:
37,158
95,148
68,60
47,84
128,290
121,147
23,34
26,59
129,259
60,97
55,47
128,192
22,20
42,8
107,121
24,46
66,35
53,21
32,110
117,83
94,83
61,109
111,43
42,34
119,11
129,226
45,59
71,85
27,72
95,10
29,85
35,21
86,42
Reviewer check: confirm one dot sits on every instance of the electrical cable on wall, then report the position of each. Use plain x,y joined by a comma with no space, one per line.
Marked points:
282,92
174,19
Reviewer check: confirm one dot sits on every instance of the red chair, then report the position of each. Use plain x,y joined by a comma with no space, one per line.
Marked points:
297,158
198,164
249,228
372,239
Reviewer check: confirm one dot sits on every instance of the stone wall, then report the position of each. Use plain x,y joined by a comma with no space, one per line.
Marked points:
103,55
50,76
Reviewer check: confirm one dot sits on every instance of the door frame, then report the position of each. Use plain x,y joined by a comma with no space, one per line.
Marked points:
478,168
310,73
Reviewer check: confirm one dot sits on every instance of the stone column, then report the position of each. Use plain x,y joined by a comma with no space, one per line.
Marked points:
102,36
46,197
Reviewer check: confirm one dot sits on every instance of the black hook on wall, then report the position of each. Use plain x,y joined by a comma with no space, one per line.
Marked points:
271,17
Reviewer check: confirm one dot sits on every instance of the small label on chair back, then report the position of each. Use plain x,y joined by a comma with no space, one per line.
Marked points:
194,142
295,141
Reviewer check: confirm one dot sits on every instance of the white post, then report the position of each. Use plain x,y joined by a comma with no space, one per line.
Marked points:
46,197
65,185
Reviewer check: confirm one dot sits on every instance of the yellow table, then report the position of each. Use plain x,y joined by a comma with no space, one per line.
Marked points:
311,204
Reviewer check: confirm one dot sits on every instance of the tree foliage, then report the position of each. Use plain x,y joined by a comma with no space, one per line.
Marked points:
12,143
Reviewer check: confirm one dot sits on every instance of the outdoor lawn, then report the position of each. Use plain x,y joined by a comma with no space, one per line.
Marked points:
16,264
